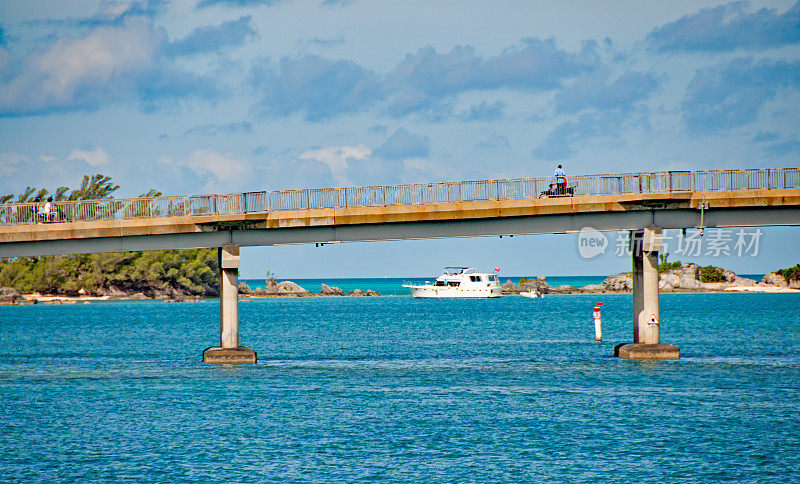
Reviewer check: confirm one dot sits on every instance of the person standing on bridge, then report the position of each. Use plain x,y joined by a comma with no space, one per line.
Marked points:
47,212
561,181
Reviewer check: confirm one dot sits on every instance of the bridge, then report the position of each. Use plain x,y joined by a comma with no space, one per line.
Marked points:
643,203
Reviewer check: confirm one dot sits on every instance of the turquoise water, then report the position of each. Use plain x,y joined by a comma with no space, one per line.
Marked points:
402,390
394,286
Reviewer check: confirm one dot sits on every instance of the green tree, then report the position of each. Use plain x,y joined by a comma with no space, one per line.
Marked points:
192,271
790,274
711,274
664,265
96,187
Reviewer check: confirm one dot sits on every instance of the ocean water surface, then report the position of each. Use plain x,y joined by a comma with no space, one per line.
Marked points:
394,389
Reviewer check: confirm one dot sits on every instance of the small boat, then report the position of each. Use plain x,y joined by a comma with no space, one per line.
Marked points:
531,294
459,282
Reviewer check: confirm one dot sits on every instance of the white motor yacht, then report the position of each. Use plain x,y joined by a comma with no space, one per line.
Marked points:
459,282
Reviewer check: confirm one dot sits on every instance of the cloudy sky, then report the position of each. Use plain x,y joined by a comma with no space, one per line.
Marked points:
231,95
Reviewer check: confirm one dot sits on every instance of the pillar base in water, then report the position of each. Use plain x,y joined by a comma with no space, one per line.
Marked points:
641,351
229,356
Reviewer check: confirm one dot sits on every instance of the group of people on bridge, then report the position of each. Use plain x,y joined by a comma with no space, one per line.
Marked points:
45,212
559,188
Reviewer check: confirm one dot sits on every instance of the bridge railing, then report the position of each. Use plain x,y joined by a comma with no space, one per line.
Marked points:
411,194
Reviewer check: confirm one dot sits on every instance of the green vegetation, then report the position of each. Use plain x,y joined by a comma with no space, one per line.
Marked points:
664,265
790,274
92,188
271,278
523,280
711,274
153,273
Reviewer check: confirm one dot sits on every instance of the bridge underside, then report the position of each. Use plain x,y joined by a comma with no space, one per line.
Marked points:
217,236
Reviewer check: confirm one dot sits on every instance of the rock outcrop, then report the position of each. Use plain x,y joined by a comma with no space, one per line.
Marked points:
539,284
327,290
775,279
685,278
284,288
112,291
368,292
509,287
562,289
622,282
244,288
9,295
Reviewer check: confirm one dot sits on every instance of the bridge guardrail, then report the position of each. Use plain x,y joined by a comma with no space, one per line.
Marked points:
410,194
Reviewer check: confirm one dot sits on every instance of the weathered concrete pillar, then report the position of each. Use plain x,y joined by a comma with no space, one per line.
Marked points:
229,296
229,350
646,343
637,276
648,317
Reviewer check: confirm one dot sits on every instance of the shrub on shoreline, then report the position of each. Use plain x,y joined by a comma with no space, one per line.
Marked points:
711,274
790,274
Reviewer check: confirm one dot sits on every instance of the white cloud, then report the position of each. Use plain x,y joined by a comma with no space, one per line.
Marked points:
83,72
110,11
7,160
221,171
335,157
95,157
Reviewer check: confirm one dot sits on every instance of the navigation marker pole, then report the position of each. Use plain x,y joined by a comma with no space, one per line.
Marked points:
598,324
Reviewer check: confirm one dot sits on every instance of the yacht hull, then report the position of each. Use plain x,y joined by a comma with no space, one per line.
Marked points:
453,293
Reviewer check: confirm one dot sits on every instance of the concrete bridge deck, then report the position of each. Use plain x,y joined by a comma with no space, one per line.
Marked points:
461,209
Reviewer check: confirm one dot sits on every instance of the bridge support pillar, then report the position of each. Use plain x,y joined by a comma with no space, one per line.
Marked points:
645,245
229,351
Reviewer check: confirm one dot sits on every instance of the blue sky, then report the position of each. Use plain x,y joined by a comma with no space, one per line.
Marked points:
230,95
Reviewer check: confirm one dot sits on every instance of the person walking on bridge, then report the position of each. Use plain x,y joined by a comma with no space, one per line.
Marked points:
561,180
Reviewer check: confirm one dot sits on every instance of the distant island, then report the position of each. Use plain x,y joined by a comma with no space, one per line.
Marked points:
189,275
674,277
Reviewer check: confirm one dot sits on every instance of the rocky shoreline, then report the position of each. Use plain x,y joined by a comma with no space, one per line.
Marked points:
683,279
291,289
10,296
